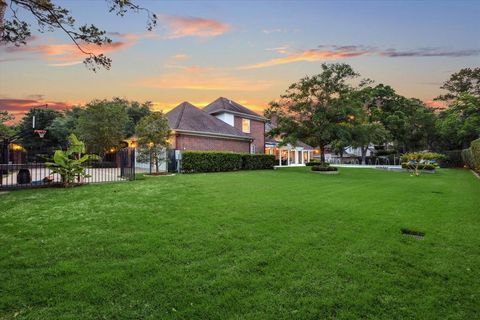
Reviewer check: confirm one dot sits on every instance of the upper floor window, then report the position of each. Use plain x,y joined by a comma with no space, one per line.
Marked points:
246,125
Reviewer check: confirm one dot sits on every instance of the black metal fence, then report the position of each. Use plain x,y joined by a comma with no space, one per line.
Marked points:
37,175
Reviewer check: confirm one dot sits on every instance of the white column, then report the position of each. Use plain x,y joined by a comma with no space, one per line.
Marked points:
296,157
308,155
279,157
288,157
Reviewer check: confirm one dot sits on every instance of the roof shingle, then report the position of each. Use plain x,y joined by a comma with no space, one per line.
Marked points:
187,117
224,104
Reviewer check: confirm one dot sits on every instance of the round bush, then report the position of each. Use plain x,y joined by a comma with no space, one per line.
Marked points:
324,168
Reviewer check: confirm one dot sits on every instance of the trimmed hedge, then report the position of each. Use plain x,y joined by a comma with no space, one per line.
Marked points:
212,161
257,161
471,156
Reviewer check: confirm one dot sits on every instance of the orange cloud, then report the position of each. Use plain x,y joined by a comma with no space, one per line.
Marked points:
62,55
69,52
307,55
435,104
202,78
18,107
194,27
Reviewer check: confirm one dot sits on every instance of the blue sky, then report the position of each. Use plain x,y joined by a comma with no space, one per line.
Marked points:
249,51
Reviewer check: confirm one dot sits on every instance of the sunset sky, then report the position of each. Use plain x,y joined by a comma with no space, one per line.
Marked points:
249,51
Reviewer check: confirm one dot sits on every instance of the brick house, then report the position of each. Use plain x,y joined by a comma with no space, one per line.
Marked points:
242,119
223,125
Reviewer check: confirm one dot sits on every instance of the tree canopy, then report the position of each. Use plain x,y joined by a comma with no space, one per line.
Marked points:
465,81
5,131
44,117
312,109
102,125
152,133
459,123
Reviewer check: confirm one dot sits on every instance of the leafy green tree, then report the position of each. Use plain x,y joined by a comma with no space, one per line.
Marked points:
459,124
152,134
5,131
364,133
64,125
410,122
464,82
136,112
44,117
102,125
51,17
312,109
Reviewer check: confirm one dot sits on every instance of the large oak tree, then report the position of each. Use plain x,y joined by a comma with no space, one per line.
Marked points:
314,108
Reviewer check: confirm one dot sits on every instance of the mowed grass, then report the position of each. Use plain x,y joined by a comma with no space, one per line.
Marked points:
284,244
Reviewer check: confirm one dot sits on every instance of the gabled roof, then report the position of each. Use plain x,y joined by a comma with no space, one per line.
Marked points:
189,119
226,105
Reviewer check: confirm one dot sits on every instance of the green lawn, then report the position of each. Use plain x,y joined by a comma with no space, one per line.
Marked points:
285,244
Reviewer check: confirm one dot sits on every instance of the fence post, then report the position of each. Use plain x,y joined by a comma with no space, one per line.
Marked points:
132,163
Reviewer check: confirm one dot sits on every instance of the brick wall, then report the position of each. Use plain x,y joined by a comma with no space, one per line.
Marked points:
199,143
257,131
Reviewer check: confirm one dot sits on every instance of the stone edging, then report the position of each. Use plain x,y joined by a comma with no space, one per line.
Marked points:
475,174
327,172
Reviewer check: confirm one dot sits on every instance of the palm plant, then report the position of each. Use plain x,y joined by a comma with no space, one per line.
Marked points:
69,163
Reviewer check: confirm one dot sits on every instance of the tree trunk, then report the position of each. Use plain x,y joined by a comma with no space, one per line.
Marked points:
341,155
156,163
364,154
322,154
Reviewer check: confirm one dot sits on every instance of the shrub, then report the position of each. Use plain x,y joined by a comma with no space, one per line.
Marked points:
417,161
212,161
313,163
324,167
471,156
257,161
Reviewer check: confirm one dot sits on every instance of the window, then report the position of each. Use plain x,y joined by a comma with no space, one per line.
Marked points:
246,125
